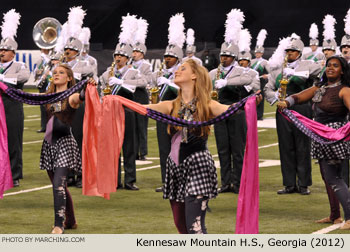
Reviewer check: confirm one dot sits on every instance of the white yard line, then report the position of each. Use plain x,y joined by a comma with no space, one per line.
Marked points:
328,229
30,120
33,142
28,190
267,146
270,113
33,116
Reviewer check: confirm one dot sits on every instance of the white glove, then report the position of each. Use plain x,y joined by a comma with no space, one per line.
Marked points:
162,80
220,83
1,77
288,71
115,81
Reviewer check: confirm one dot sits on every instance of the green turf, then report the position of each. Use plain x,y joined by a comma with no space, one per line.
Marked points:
145,211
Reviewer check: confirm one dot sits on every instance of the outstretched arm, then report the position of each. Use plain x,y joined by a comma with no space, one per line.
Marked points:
217,108
164,107
298,98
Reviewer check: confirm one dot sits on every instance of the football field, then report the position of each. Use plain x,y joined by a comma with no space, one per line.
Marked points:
28,209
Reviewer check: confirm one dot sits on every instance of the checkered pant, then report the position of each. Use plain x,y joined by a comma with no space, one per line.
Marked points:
338,150
64,153
196,175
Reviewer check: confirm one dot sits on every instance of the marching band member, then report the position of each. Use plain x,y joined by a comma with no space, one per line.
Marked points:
42,83
84,37
141,94
294,146
345,41
164,78
314,54
191,48
81,70
124,80
233,83
13,74
260,65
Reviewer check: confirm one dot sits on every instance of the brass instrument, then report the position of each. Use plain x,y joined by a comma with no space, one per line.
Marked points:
214,93
155,90
283,82
107,90
46,32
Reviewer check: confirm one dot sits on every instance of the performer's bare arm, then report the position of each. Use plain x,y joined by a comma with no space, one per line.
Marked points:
164,107
344,94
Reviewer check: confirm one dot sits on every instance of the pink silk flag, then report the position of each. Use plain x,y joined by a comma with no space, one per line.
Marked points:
103,139
247,217
5,167
322,130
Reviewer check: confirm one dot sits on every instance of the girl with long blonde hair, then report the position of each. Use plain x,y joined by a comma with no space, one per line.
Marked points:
191,178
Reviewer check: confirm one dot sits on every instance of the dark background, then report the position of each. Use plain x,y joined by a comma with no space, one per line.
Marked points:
207,18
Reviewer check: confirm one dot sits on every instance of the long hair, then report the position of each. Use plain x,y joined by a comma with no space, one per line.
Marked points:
202,90
71,83
345,77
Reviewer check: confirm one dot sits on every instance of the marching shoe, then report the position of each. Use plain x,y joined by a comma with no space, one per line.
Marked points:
304,190
224,189
159,189
131,186
57,230
346,225
16,183
287,190
40,131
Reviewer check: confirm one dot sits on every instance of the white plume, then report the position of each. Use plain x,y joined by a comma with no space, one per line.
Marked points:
328,27
141,33
277,57
128,29
347,23
190,37
233,25
261,37
75,21
176,30
244,40
294,36
313,34
61,40
10,24
85,35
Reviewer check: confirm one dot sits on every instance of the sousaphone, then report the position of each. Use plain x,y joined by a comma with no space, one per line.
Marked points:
46,31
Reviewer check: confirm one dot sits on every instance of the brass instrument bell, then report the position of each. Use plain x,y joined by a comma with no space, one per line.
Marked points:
46,32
